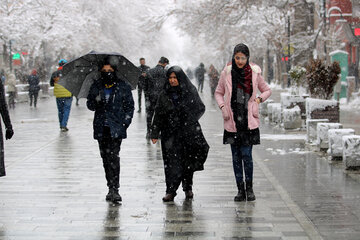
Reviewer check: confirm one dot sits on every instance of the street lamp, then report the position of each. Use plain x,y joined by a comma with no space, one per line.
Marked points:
11,41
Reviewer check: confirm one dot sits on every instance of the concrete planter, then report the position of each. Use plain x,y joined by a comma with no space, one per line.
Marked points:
335,141
322,109
289,101
322,133
351,151
292,118
311,129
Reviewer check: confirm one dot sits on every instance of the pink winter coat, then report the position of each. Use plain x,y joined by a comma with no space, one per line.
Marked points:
223,96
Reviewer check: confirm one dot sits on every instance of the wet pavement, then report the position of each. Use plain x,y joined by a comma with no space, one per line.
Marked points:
55,186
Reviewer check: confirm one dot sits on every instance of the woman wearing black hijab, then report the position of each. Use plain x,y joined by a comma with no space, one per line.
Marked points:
176,122
236,95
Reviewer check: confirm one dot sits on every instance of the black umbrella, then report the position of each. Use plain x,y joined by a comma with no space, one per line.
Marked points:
78,75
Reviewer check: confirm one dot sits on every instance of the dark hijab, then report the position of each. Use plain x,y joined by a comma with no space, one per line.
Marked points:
189,100
241,88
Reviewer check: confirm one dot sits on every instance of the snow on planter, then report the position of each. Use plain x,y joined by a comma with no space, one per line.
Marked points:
276,113
311,129
351,151
292,118
322,109
335,141
264,107
322,133
289,101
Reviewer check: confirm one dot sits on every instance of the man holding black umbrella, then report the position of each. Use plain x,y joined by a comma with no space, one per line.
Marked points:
111,99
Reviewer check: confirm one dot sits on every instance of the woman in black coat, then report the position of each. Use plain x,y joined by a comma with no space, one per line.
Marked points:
9,131
112,101
175,121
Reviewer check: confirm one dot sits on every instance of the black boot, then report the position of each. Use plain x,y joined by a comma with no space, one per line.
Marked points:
169,197
241,192
113,195
250,196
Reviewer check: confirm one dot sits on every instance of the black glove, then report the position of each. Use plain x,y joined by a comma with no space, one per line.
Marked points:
9,133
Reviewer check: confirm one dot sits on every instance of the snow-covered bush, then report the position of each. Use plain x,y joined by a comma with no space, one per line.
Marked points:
297,74
321,79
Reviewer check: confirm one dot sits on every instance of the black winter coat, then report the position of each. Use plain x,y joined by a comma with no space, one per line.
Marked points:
33,81
200,73
6,119
142,79
155,83
118,111
178,123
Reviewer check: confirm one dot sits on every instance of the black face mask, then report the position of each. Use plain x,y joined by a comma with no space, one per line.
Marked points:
108,77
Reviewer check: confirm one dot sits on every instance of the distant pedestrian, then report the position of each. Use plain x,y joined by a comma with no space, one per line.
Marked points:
63,97
3,76
34,87
200,76
236,96
176,123
142,80
113,103
9,130
11,90
153,87
213,78
189,73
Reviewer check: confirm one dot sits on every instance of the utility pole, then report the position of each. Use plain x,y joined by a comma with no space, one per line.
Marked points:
324,27
288,65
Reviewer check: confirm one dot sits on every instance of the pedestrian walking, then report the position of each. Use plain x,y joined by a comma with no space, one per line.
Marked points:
142,79
176,123
236,96
112,101
34,87
213,79
2,76
200,76
11,90
9,130
153,87
63,97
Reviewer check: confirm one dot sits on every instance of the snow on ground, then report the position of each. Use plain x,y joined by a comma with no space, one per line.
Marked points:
287,151
277,137
353,104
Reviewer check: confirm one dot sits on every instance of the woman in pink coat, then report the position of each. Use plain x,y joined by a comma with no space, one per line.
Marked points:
236,96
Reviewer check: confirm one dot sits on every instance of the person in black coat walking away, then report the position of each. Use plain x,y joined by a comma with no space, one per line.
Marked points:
34,87
153,87
176,121
9,130
200,76
142,79
112,101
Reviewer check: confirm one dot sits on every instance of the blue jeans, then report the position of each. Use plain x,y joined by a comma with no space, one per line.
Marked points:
64,107
242,156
